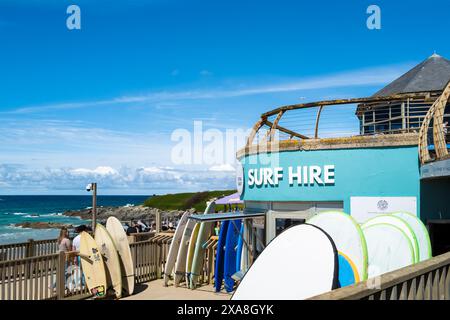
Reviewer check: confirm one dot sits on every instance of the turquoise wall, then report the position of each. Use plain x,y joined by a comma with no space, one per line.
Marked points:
358,172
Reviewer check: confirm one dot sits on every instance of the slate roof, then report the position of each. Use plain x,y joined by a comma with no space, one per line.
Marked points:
430,75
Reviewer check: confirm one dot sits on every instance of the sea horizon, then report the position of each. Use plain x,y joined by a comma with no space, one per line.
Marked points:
49,208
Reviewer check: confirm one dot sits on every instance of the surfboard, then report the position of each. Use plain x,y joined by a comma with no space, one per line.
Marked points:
180,266
306,253
348,273
421,232
347,235
190,253
111,258
120,239
240,244
231,254
220,255
204,233
244,253
400,223
389,248
92,265
174,247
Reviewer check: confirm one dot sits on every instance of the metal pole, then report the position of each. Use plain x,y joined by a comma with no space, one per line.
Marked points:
94,206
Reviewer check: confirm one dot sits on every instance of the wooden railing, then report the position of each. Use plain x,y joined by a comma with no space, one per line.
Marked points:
150,257
427,280
60,275
29,278
28,249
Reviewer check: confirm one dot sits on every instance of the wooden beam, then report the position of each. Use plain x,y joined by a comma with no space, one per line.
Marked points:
316,130
422,95
255,129
438,124
290,132
275,125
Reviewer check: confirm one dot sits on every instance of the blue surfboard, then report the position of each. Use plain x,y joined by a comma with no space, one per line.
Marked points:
230,253
220,256
239,248
346,271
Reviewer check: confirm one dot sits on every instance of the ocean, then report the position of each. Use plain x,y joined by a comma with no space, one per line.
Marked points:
16,209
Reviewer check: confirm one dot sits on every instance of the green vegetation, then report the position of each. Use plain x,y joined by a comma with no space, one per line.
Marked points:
183,201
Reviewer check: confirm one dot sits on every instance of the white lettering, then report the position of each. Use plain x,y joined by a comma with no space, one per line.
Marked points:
300,175
251,179
314,175
297,175
278,175
328,174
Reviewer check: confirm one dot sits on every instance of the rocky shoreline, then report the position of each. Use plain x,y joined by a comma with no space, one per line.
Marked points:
42,225
126,214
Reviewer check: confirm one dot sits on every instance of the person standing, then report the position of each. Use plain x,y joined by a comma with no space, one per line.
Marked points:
76,240
64,244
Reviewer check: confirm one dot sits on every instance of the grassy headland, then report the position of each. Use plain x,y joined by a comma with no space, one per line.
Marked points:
183,201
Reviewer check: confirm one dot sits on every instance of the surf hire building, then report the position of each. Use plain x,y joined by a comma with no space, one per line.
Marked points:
363,156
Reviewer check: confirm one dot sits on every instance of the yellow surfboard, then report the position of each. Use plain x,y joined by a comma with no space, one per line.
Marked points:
115,229
92,265
111,258
191,251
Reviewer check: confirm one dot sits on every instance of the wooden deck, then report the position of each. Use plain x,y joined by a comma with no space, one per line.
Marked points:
155,290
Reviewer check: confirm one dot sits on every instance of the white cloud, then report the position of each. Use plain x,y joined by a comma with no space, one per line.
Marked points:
19,179
363,77
223,168
102,171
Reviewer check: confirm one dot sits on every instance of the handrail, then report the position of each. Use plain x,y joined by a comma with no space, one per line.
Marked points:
418,95
429,279
424,97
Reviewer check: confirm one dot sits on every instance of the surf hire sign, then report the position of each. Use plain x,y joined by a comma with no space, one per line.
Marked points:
296,176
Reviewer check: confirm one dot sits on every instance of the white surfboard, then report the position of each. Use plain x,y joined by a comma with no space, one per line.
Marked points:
180,266
421,232
299,263
111,258
204,233
389,248
174,247
347,236
400,223
115,229
244,253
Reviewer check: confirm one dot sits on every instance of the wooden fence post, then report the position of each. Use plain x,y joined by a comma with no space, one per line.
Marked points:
30,250
159,247
158,221
60,276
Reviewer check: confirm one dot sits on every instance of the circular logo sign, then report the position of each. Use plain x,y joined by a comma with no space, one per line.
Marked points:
240,178
382,205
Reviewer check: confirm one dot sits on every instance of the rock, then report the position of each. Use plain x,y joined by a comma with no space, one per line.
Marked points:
42,225
128,213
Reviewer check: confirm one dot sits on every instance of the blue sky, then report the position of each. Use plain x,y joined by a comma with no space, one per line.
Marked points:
101,103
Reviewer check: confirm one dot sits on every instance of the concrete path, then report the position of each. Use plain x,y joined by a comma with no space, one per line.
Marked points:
155,290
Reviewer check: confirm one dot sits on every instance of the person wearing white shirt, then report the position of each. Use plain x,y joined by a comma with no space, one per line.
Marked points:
76,240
